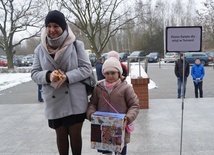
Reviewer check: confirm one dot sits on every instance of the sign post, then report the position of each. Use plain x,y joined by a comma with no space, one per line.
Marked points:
183,39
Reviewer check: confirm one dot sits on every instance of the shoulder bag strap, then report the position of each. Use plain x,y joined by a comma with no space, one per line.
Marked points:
109,103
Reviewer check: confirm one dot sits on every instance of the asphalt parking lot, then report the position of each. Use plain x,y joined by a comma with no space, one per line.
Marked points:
163,75
166,81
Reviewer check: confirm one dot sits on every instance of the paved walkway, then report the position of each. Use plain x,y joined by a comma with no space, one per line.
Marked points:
24,130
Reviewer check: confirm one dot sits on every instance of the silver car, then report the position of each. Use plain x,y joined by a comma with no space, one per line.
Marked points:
170,57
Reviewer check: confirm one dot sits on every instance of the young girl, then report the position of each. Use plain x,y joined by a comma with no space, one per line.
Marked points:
118,93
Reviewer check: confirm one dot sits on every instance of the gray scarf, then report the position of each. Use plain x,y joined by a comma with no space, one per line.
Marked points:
57,42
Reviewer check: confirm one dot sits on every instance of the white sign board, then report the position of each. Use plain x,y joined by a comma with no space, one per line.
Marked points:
183,39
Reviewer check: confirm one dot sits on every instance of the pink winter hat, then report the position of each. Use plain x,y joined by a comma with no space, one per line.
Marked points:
113,54
112,65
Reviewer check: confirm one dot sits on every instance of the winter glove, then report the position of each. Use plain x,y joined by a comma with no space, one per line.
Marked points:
198,79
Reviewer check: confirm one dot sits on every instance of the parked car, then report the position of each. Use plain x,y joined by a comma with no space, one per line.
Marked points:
17,61
191,56
123,56
104,56
27,60
134,56
92,58
210,55
153,57
171,57
3,62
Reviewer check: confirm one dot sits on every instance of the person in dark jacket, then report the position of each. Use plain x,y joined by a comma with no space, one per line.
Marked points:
98,66
40,99
198,73
181,81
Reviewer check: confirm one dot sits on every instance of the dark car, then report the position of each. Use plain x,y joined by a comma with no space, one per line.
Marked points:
93,58
153,57
136,55
17,61
104,56
191,56
123,56
27,61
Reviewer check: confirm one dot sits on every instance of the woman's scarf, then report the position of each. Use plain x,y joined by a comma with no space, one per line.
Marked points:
57,42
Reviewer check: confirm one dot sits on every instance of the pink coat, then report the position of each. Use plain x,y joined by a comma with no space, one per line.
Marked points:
122,97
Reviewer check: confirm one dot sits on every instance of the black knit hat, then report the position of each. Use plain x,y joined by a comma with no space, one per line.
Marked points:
56,17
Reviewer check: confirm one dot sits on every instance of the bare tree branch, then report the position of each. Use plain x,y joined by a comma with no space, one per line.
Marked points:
18,17
99,20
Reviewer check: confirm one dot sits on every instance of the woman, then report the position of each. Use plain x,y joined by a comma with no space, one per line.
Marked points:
60,69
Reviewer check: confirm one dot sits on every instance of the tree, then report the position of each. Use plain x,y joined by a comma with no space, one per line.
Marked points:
17,20
206,19
148,31
98,20
191,11
29,45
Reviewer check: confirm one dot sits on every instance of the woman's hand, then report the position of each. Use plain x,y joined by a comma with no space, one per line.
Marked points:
54,76
59,77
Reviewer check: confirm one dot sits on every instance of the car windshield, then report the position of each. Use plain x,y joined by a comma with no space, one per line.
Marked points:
136,53
104,55
152,54
170,54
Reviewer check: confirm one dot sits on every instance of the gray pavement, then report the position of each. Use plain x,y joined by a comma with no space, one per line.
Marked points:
24,130
166,81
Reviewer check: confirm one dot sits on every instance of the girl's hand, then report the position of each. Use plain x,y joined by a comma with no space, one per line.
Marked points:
125,122
90,116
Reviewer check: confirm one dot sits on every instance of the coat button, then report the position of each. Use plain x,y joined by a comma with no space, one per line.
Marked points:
66,92
53,96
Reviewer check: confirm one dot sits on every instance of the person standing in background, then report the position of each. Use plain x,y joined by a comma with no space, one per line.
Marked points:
60,68
98,67
198,72
181,83
40,99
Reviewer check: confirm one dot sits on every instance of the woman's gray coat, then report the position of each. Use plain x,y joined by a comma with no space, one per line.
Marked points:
71,98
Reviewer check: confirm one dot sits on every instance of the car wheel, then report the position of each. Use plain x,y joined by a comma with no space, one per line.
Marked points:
203,62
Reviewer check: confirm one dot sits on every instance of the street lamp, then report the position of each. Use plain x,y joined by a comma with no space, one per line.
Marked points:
164,35
164,28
